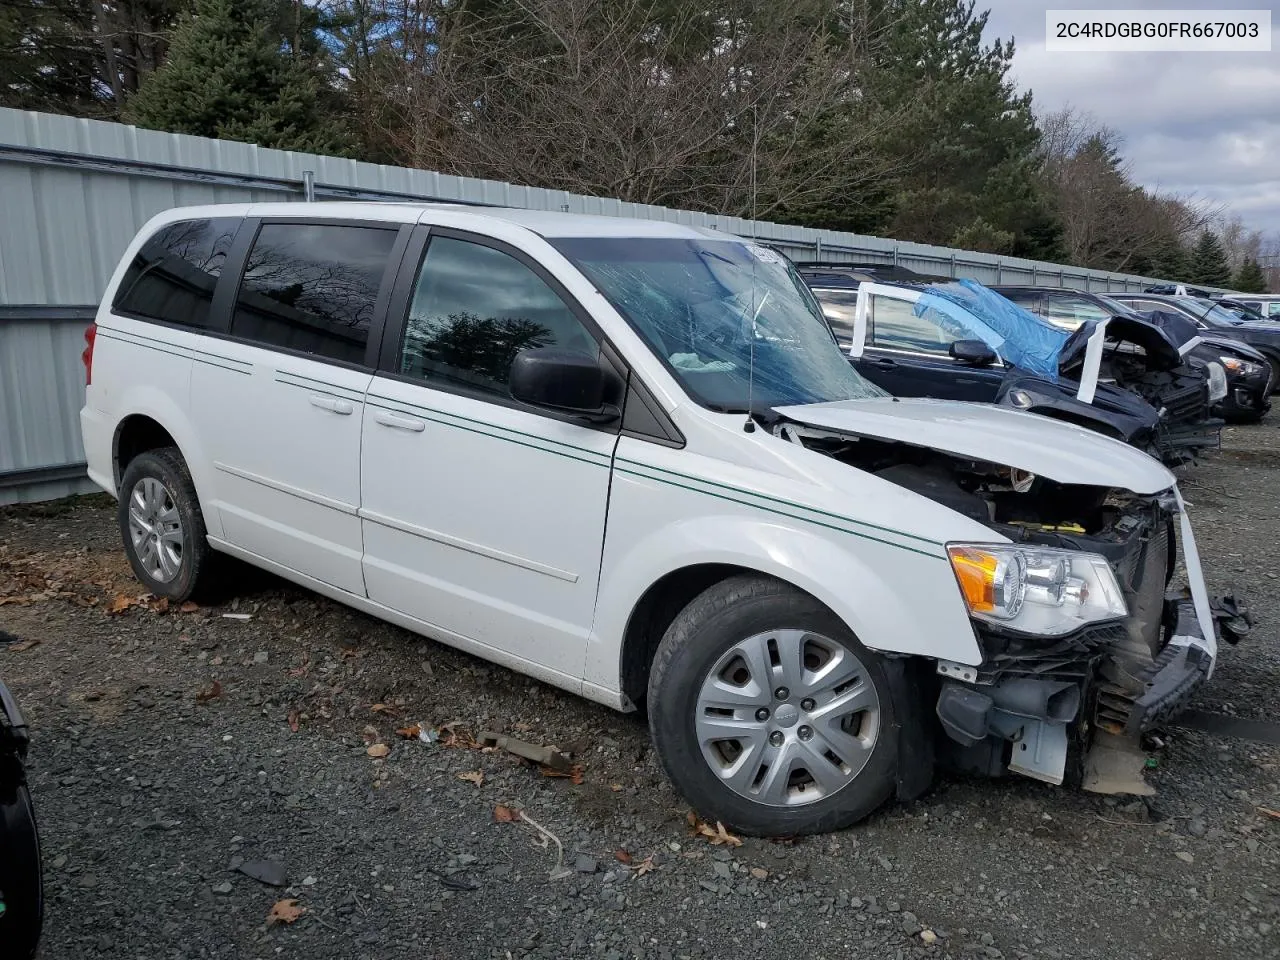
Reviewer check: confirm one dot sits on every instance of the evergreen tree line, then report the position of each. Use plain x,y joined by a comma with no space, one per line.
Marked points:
890,117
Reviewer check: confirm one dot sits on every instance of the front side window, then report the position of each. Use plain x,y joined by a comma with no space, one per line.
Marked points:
313,288
732,321
473,309
895,326
173,275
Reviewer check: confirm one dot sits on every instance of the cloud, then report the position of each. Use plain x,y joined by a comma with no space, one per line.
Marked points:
1206,124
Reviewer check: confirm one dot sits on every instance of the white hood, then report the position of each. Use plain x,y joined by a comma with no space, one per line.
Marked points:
1046,447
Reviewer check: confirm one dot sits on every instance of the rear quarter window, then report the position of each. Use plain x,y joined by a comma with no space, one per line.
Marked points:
172,276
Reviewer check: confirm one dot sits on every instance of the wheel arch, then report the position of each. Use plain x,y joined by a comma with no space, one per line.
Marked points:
155,420
873,587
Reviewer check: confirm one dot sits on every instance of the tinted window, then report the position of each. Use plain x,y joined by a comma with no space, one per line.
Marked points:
895,326
474,308
173,275
839,307
313,288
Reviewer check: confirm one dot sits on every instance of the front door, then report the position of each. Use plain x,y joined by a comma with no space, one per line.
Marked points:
908,355
482,516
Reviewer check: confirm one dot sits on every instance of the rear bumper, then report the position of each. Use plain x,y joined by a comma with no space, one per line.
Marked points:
99,437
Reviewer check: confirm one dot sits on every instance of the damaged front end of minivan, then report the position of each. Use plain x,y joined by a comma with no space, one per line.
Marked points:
1059,696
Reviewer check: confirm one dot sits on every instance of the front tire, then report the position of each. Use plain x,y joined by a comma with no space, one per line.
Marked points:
768,714
161,524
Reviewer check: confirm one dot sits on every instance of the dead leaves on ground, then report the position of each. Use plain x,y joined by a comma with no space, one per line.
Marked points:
378,750
504,814
644,866
211,692
473,776
285,911
573,775
718,835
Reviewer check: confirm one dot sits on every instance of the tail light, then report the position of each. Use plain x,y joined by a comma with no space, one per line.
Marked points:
90,335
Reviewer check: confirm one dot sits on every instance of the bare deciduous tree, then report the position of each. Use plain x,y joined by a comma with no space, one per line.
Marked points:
645,101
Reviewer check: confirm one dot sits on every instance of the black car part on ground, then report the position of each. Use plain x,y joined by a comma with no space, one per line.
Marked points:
21,883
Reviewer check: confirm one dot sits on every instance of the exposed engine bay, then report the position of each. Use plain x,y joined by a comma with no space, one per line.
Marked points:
1072,707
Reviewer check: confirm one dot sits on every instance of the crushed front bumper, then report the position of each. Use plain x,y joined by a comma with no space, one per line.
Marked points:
1028,703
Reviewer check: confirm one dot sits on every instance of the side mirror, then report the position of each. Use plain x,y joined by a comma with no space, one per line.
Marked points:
973,352
560,379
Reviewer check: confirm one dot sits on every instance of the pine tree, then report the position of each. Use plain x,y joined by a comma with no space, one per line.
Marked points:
967,139
243,70
1250,278
1209,262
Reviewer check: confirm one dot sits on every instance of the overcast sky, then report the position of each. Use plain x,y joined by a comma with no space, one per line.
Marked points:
1202,123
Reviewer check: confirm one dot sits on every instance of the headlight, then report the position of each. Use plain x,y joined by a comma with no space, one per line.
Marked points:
1244,368
1038,590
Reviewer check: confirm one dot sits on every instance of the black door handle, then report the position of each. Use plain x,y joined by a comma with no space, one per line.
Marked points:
884,361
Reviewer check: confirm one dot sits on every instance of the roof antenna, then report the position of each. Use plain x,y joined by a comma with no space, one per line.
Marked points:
750,425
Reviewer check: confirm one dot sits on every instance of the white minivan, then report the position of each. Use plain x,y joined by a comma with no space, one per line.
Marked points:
628,458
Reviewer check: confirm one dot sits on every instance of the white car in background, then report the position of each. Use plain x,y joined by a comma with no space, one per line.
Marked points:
628,458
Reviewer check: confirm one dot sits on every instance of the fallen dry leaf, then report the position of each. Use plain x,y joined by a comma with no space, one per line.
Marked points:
211,692
22,645
285,911
760,873
574,775
370,734
121,603
1265,811
410,732
473,776
378,750
161,605
504,814
189,607
386,708
644,866
622,856
718,835
294,721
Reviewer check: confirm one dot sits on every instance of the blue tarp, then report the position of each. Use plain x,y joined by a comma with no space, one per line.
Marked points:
1019,336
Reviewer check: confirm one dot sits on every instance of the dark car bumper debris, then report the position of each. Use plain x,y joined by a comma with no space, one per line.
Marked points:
21,885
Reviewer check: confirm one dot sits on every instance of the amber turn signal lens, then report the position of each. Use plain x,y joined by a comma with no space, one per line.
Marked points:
976,573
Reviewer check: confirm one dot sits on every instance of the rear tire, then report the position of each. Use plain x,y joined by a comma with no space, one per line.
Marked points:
766,743
162,526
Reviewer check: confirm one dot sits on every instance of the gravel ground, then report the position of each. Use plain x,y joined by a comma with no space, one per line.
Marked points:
171,749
